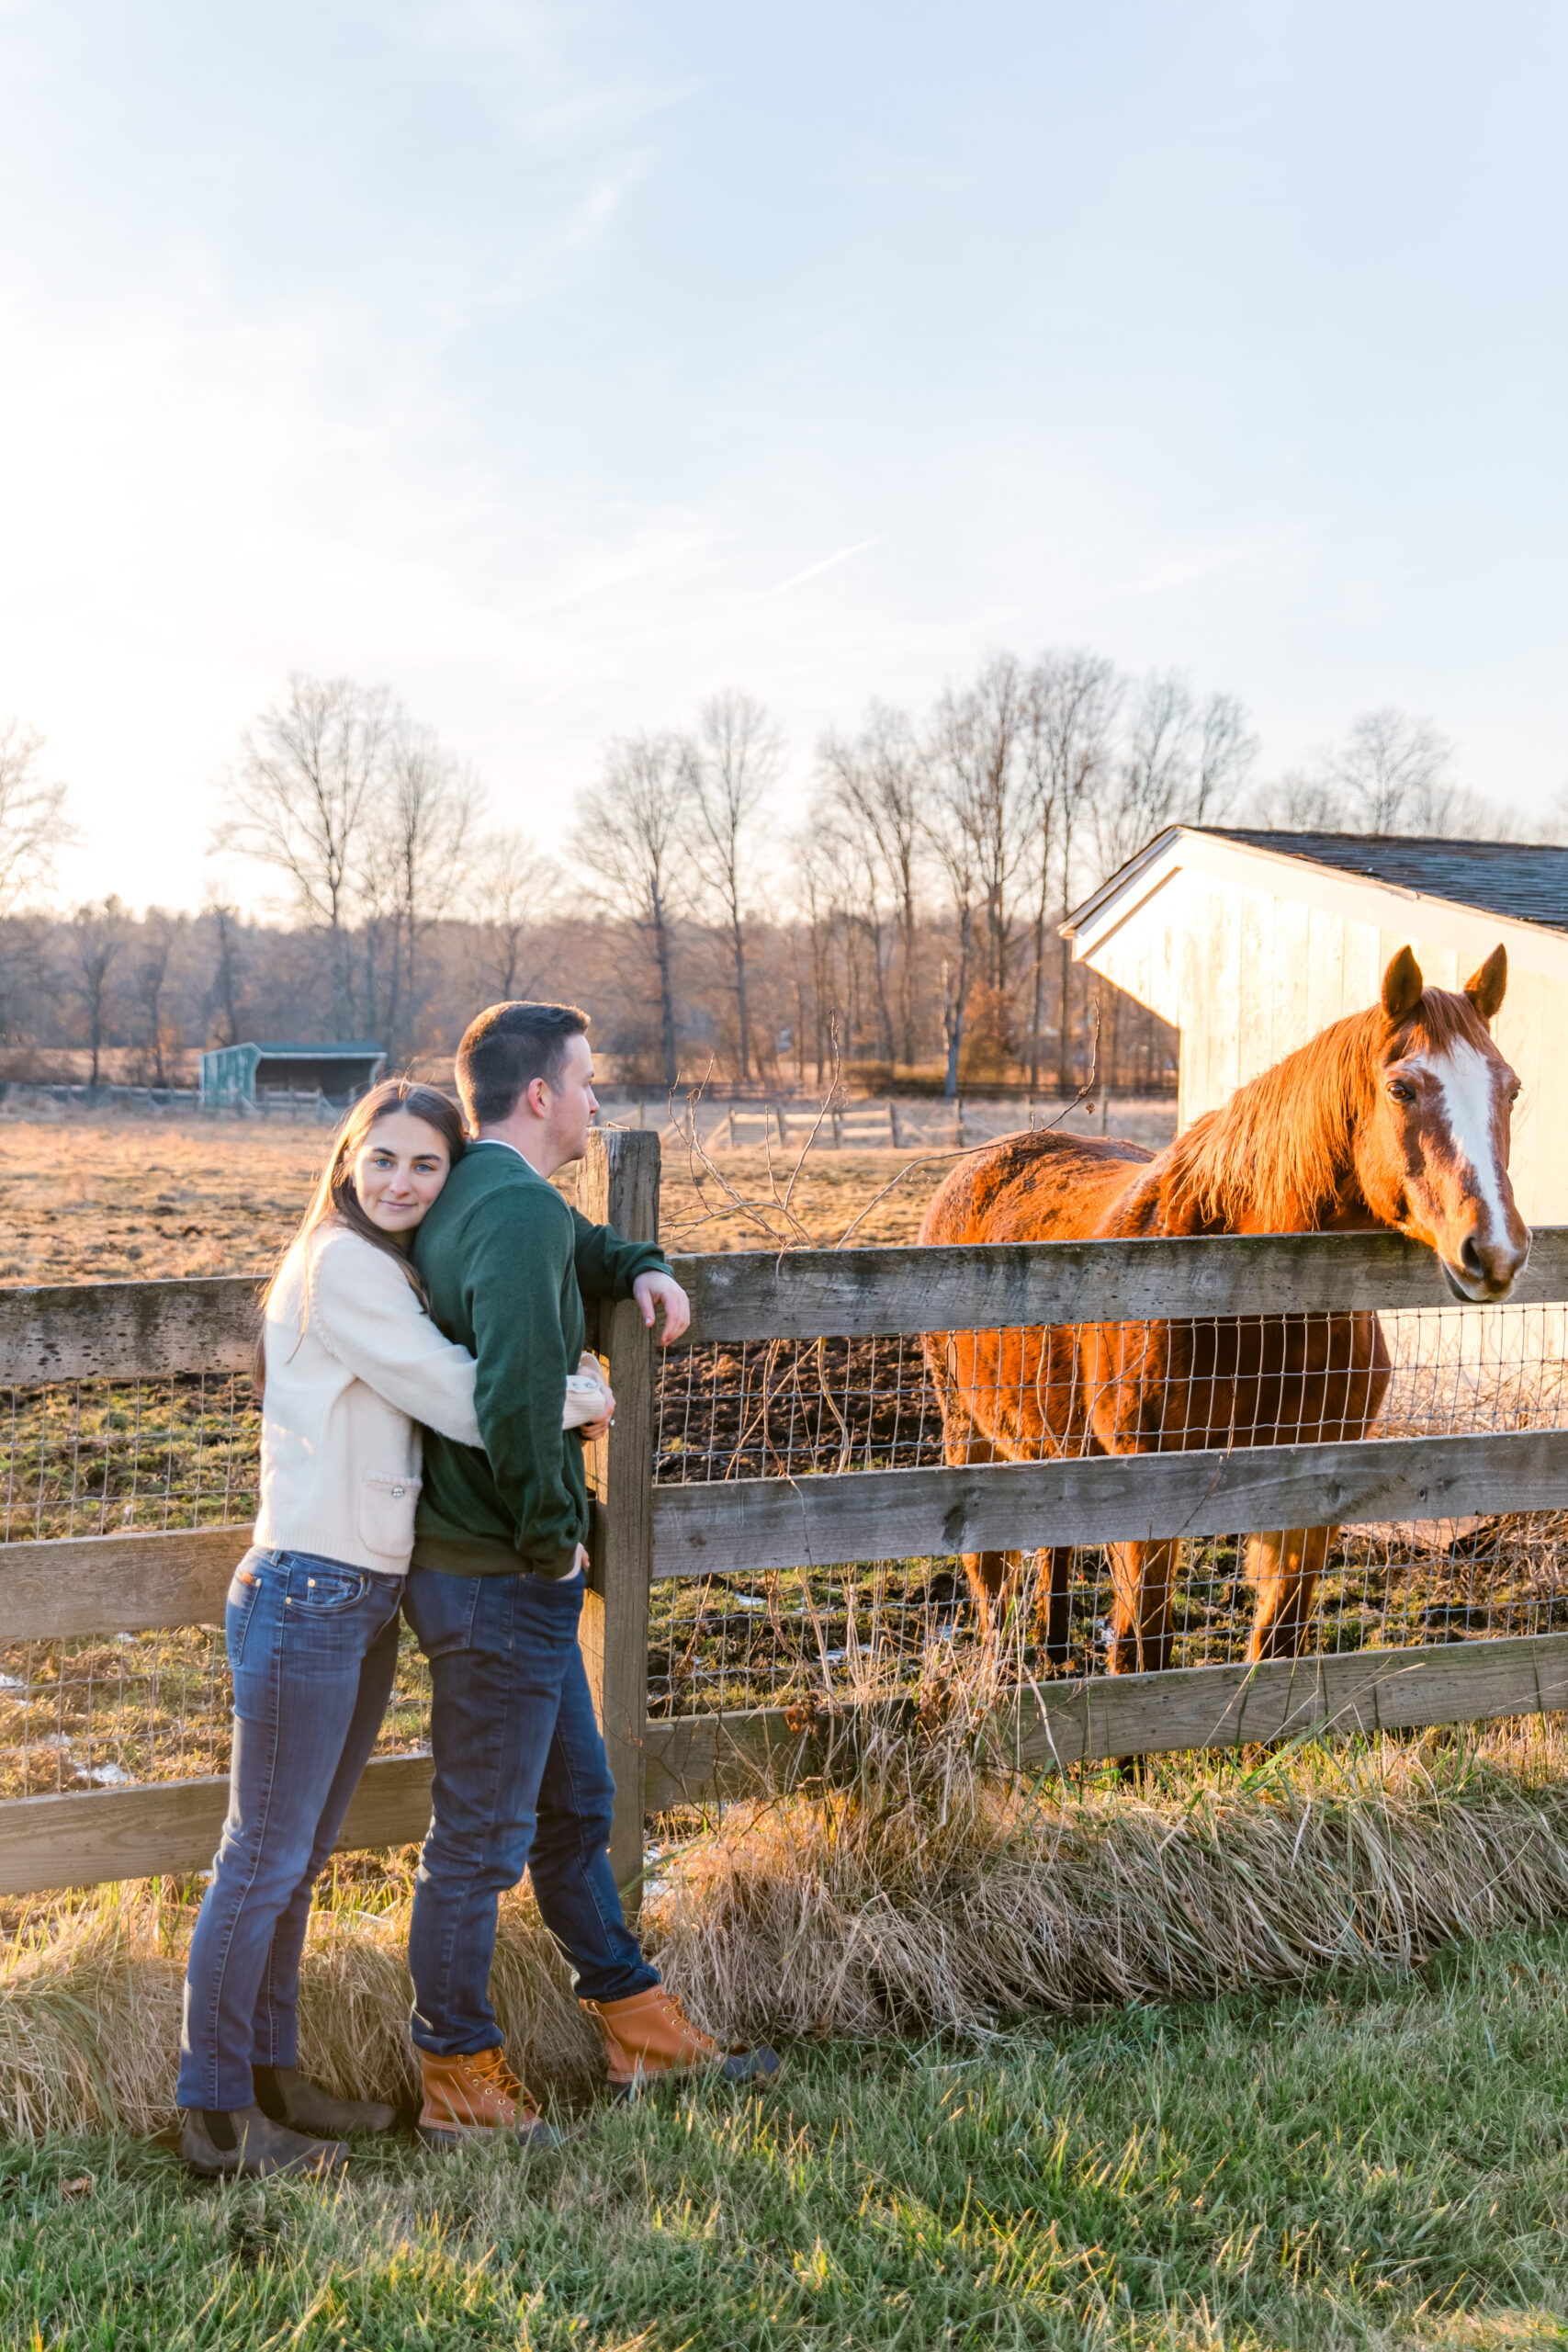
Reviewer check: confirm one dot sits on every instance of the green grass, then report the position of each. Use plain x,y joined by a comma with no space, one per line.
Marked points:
1384,2165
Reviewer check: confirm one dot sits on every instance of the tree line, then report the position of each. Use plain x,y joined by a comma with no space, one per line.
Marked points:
905,927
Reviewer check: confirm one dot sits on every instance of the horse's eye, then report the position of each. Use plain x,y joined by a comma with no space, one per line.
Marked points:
1400,1092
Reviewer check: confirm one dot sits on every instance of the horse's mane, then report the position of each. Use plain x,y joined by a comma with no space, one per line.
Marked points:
1279,1152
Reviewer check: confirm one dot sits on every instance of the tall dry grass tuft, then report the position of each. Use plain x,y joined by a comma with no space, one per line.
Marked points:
921,1886
933,1889
90,2008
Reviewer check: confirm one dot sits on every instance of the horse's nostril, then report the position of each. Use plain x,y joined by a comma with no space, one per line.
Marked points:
1470,1258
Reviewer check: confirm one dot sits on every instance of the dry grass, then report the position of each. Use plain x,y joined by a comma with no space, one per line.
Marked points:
90,2003
930,1896
931,1893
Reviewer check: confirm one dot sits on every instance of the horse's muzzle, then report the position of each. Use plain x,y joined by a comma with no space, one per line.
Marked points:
1483,1279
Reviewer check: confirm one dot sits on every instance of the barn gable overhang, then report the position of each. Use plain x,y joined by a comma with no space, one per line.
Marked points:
1470,931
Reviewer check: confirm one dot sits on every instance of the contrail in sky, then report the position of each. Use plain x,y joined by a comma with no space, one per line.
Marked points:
827,564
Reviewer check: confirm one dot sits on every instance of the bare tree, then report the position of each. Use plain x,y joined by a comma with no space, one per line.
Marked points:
859,892
1302,801
631,845
510,890
819,882
308,776
34,825
151,970
1154,773
975,742
224,989
1185,762
730,768
99,934
1389,774
418,845
1227,753
1071,710
958,833
876,787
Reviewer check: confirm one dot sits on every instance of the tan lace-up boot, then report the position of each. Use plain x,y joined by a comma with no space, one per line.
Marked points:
649,2035
469,2097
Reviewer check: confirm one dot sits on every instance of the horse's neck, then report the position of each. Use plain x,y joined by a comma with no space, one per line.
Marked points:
1174,1201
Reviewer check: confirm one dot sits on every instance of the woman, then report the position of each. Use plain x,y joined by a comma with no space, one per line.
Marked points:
351,1364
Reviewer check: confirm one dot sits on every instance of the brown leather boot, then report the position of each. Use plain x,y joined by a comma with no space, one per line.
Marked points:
649,2034
471,2097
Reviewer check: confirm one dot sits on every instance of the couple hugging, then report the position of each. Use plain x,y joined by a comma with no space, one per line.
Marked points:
431,1301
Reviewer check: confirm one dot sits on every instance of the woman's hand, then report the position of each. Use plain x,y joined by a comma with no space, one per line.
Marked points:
600,1428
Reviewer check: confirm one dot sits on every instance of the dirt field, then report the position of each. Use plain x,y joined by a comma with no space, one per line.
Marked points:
118,1200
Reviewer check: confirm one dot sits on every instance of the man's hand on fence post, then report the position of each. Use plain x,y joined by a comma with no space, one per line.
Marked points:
653,1290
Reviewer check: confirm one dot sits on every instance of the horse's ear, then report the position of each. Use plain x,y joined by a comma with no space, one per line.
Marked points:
1401,986
1488,984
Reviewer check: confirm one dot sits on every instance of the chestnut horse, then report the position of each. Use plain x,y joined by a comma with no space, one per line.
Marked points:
1395,1117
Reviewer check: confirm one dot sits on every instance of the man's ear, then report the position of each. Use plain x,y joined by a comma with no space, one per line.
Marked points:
1401,986
536,1094
1488,984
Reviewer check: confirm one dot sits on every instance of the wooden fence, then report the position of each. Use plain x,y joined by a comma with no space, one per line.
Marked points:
644,1531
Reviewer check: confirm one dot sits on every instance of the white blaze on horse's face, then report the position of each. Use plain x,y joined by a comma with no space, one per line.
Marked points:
1445,1100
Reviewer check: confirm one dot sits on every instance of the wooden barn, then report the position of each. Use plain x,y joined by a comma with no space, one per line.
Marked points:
1250,942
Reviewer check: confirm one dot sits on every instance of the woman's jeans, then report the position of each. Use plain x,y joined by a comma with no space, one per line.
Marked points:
522,1781
313,1645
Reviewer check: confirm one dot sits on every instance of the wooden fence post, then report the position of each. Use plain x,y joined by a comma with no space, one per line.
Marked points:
619,1186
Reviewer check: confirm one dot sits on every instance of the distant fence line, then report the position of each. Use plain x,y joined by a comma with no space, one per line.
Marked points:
724,1120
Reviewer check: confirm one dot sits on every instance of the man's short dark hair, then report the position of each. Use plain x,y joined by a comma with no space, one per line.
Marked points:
504,1049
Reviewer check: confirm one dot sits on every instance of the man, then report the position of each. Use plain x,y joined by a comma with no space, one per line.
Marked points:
495,1590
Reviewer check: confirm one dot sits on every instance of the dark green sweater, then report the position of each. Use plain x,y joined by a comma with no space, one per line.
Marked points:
506,1262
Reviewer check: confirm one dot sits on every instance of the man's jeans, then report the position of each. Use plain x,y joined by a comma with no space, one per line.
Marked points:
522,1781
313,1645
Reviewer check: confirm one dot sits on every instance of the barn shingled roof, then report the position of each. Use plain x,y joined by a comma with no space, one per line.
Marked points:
1528,881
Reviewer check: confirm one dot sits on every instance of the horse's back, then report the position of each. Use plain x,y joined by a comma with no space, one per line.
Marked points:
1033,1187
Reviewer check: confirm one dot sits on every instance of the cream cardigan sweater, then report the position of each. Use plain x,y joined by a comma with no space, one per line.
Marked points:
354,1364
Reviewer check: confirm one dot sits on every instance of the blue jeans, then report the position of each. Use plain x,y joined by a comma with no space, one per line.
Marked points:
313,1645
522,1781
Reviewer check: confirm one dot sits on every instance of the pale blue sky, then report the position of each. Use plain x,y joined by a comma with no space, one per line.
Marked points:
540,360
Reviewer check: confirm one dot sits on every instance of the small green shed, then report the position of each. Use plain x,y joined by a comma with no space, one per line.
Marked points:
232,1074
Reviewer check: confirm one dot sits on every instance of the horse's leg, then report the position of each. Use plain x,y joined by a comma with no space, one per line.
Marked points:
1283,1568
1142,1578
1054,1604
988,1572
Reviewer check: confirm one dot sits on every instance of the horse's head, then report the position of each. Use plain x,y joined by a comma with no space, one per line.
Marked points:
1432,1154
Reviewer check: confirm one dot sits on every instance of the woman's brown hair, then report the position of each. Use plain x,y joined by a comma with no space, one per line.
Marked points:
334,1200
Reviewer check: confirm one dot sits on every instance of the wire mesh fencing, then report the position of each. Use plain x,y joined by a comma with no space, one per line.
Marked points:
138,1456
111,1457
795,1409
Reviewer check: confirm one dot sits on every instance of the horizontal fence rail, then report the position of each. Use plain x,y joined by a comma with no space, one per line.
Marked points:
78,1839
849,1293
751,1525
124,1330
112,1586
